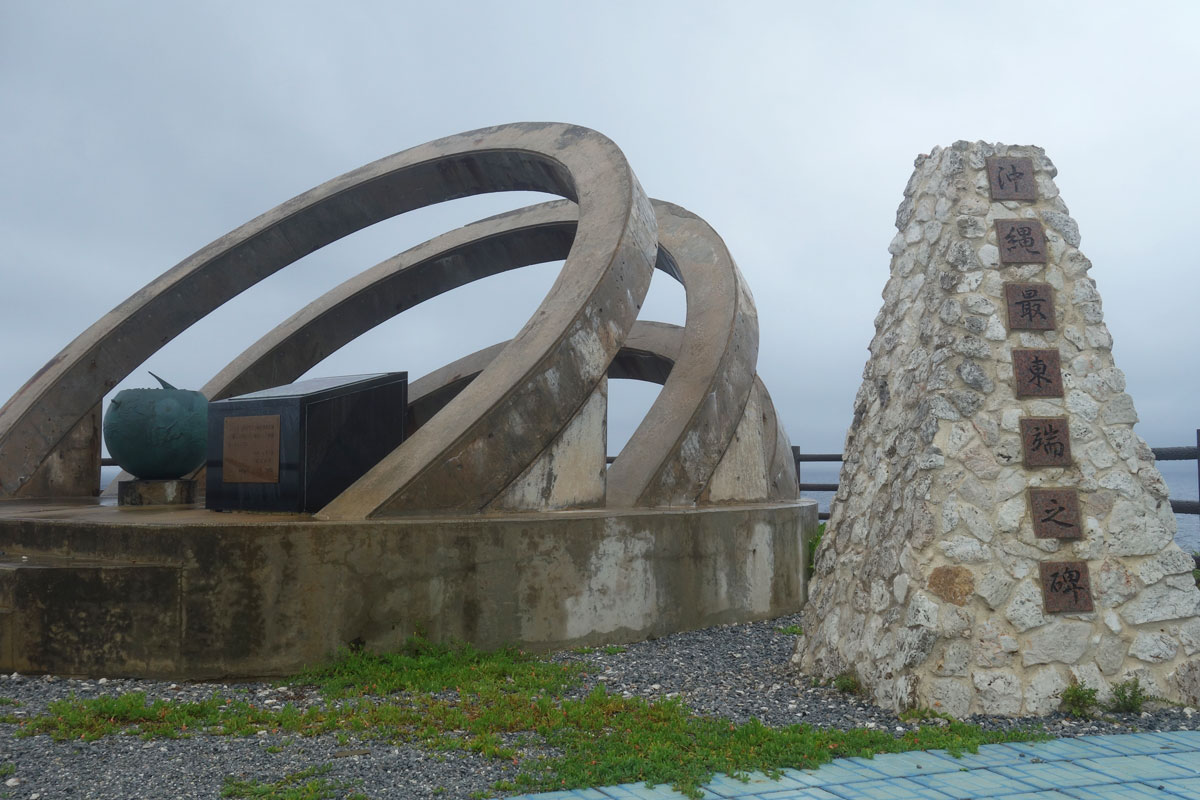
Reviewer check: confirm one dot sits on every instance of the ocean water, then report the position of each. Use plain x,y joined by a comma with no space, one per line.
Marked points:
1179,475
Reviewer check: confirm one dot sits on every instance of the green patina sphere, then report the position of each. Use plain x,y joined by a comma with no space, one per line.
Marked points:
157,434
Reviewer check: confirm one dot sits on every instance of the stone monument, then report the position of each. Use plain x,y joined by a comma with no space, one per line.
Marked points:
999,530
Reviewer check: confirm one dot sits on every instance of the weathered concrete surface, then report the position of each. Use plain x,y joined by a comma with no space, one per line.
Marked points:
192,594
756,466
73,468
156,493
673,454
608,268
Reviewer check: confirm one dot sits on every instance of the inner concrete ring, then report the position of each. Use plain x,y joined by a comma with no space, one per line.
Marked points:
701,402
649,353
454,463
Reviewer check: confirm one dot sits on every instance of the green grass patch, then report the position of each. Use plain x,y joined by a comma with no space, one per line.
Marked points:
424,667
813,544
307,784
791,630
456,698
8,701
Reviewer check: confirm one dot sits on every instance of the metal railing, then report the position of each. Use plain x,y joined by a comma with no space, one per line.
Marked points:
1160,454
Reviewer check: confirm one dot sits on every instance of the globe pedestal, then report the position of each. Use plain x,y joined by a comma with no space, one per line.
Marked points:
156,493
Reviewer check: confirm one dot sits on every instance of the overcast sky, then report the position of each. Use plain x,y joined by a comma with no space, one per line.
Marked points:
132,134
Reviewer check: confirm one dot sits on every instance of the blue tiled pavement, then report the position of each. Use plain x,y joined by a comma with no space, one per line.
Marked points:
1138,766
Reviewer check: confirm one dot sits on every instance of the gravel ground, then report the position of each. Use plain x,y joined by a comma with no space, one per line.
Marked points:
735,671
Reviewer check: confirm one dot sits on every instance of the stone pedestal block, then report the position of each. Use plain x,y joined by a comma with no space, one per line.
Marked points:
156,493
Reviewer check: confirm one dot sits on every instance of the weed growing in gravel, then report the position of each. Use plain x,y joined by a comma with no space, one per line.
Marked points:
613,650
846,683
1128,697
7,769
791,630
917,714
303,785
8,701
456,698
1078,700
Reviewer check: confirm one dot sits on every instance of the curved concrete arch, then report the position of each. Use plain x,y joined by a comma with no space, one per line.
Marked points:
607,268
671,457
649,353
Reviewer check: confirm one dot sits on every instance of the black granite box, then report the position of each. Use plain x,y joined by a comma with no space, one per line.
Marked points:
296,447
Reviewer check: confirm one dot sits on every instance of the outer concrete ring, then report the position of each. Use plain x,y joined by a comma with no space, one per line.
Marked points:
454,464
672,455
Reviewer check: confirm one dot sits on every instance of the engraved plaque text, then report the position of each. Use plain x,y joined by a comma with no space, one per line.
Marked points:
250,448
1045,442
1066,586
1011,178
1055,513
1021,241
1030,306
1037,373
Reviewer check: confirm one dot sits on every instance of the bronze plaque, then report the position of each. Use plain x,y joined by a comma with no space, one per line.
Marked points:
1030,306
1055,513
1045,441
1066,586
1037,373
1011,178
1021,241
250,449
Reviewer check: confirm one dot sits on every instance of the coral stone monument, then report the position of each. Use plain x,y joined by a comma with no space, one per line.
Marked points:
999,531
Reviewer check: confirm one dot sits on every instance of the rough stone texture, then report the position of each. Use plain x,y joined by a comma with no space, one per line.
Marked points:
933,493
156,493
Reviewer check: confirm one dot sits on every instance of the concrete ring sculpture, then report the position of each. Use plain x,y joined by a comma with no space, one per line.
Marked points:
670,458
649,354
547,371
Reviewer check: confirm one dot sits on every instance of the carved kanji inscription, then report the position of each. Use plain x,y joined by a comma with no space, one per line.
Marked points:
1021,241
1011,178
1066,586
1055,513
1037,373
250,448
1045,442
1030,306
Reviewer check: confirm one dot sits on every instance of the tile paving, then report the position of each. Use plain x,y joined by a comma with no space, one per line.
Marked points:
1137,766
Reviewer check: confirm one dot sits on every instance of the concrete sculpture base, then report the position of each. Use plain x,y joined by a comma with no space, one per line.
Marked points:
192,594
